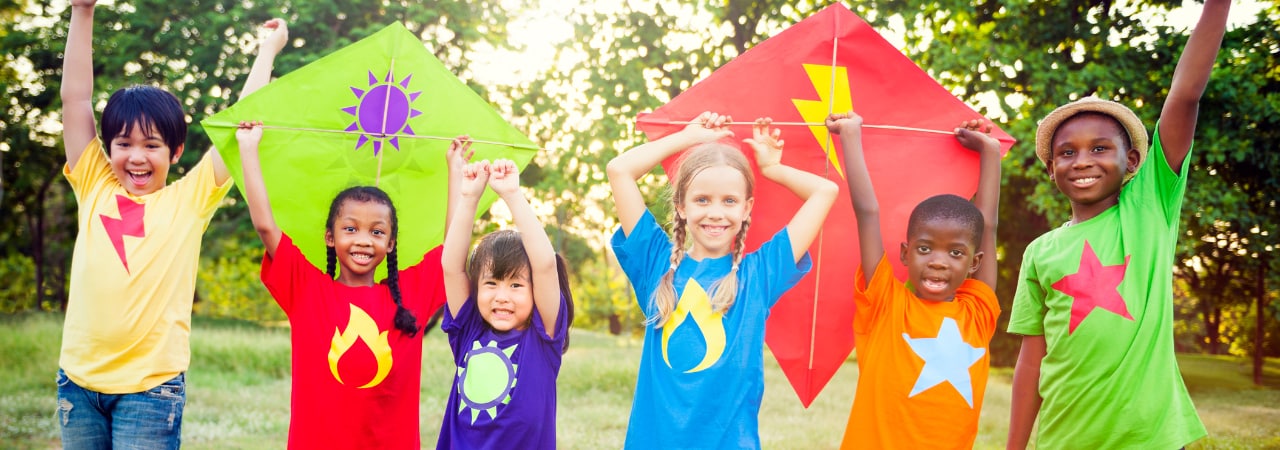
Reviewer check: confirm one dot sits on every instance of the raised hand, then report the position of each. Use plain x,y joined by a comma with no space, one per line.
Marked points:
88,3
709,127
475,176
767,143
842,123
504,177
975,135
459,152
249,134
277,37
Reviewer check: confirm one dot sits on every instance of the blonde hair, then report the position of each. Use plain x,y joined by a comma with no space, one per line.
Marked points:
725,290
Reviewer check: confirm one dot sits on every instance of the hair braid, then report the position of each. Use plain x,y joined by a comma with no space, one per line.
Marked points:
726,290
405,320
665,297
331,261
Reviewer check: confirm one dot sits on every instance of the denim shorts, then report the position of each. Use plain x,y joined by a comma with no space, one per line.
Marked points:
145,420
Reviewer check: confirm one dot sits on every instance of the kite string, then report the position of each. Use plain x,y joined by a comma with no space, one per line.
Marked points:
398,135
386,107
823,124
817,276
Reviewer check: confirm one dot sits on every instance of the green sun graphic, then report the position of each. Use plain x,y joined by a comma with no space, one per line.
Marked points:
485,379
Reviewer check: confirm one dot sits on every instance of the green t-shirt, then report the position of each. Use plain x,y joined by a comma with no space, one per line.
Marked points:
1101,293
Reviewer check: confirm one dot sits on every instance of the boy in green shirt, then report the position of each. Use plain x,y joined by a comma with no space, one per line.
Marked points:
1094,301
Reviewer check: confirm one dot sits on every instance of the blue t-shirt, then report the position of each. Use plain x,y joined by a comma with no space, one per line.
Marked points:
702,375
504,392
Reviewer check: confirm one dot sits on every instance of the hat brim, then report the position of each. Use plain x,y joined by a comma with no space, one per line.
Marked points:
1138,138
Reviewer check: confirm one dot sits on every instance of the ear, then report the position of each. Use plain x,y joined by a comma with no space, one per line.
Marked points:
750,203
679,210
1131,158
177,154
328,238
977,262
902,254
391,246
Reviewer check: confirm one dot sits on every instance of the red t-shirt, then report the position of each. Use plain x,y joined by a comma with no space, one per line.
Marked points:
355,376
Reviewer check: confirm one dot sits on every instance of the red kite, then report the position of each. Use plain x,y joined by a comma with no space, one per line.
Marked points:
833,62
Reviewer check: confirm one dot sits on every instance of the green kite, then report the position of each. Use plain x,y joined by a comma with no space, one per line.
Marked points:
381,112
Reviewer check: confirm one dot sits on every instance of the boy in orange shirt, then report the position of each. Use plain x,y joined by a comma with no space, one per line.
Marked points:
923,345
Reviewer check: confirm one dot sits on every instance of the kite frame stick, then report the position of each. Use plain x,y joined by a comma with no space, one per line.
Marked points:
409,136
820,124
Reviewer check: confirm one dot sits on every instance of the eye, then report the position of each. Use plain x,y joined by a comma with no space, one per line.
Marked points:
957,253
1099,149
731,201
923,250
379,232
349,229
700,200
1067,153
517,285
490,283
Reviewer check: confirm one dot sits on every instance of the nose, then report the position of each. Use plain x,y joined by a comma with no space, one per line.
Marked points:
936,263
1082,160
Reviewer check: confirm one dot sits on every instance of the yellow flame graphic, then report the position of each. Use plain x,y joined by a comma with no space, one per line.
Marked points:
694,302
361,327
817,110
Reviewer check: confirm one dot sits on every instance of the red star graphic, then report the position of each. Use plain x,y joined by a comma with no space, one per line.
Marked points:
1094,286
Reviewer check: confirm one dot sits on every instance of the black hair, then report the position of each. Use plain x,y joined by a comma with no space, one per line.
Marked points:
405,320
501,254
948,207
148,107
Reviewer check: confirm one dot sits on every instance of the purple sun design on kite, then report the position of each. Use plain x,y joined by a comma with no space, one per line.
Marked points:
383,111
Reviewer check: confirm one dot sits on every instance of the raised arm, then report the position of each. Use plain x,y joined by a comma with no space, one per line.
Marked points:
504,179
466,185
1182,107
1024,405
249,135
865,206
817,192
259,76
973,135
78,125
623,170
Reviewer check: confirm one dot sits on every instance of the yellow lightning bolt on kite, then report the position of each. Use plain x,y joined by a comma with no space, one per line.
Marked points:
815,111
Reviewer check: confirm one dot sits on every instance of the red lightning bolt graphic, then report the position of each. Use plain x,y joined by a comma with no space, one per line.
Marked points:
129,224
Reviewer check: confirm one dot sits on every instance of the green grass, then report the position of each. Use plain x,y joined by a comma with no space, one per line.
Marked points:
238,394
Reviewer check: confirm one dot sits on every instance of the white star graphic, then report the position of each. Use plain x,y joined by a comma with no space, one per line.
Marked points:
946,358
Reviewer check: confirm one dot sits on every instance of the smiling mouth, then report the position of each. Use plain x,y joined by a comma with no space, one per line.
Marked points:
715,230
1085,182
361,258
139,177
934,284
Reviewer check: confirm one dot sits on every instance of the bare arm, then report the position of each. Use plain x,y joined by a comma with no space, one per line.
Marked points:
623,170
863,195
466,184
249,136
817,192
1025,404
1182,108
259,76
973,135
505,180
78,125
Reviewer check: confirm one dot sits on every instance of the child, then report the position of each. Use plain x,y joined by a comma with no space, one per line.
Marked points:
125,343
508,321
1094,301
923,345
357,346
702,370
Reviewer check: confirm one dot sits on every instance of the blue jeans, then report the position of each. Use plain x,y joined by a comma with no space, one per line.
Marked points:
145,420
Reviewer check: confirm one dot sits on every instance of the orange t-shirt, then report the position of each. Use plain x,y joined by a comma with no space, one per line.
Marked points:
922,364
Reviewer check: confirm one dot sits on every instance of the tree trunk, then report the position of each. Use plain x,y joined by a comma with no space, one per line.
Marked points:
1260,311
1213,330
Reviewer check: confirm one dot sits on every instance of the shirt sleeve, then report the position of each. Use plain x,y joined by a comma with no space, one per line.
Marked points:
200,186
288,272
422,285
870,302
463,328
92,168
561,326
1029,309
1156,184
775,260
985,306
645,256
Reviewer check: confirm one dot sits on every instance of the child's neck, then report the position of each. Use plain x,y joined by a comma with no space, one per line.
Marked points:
348,279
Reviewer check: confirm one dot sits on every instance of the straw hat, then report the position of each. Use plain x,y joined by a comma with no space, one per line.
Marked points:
1138,139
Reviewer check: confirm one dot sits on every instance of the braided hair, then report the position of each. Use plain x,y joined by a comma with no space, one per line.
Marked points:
694,161
404,320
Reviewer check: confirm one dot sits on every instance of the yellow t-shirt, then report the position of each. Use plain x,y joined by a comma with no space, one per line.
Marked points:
133,275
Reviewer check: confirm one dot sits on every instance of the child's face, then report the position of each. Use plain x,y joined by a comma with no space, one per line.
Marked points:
505,304
361,237
140,159
939,257
1088,161
715,205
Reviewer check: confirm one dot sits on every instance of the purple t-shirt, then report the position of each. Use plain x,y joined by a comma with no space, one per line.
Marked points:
504,392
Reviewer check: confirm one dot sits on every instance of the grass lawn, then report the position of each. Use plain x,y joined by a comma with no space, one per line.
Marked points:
238,393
